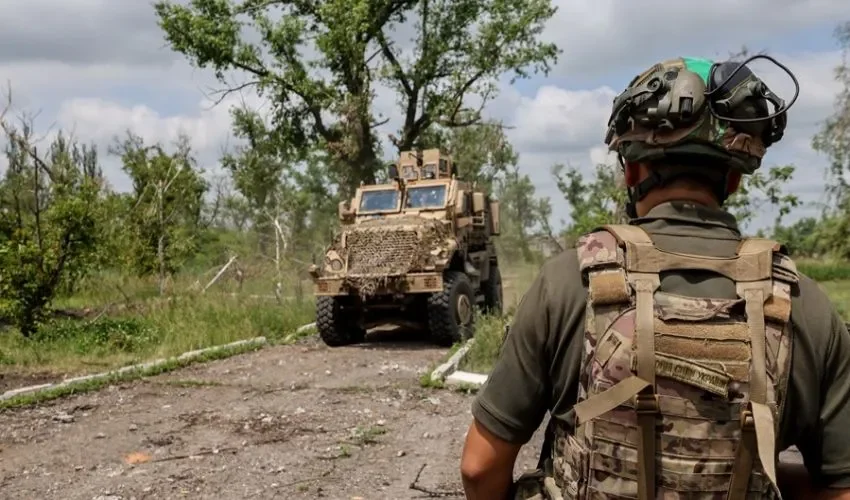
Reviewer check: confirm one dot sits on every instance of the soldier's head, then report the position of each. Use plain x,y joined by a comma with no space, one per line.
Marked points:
690,128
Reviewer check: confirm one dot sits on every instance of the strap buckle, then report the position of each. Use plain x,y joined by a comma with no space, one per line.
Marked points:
647,403
748,422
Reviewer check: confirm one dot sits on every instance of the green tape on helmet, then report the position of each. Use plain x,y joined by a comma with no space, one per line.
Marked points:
700,66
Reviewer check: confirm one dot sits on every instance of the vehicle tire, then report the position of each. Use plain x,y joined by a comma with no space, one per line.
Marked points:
336,324
451,313
492,289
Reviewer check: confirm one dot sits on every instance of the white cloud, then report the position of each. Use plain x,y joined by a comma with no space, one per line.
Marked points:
100,121
599,35
119,75
555,119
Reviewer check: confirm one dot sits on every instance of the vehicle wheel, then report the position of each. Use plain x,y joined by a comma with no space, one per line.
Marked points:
492,289
336,324
451,313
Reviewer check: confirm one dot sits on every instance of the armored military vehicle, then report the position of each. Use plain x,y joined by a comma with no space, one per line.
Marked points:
417,249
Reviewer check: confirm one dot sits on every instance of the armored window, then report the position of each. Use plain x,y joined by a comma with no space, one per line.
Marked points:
379,201
429,171
409,173
426,197
444,167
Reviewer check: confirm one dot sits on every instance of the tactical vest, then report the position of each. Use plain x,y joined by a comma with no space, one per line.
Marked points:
679,397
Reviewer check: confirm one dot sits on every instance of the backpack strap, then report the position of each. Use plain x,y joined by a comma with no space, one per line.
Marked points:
641,386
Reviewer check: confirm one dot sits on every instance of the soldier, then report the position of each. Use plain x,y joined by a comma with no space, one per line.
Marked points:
675,358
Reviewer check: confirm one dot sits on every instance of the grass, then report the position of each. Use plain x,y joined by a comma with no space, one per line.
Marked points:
148,327
489,333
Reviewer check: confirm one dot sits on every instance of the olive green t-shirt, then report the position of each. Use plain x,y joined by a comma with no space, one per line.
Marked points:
538,368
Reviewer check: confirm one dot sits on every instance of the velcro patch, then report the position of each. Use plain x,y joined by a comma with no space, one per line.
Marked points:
689,372
609,287
599,248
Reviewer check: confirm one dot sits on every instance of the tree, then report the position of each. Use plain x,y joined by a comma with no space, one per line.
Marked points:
592,203
49,210
461,49
833,139
291,197
803,238
168,199
760,189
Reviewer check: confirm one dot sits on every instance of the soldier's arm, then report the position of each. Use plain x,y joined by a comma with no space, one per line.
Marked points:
512,403
487,464
826,450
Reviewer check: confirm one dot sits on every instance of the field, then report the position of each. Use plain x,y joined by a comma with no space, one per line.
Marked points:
112,322
295,419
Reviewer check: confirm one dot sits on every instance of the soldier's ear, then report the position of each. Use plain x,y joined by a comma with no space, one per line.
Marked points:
632,173
733,182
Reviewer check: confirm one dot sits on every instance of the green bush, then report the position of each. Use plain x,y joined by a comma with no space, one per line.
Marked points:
489,333
128,335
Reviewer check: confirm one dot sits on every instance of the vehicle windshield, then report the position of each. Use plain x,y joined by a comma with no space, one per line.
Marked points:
379,200
426,197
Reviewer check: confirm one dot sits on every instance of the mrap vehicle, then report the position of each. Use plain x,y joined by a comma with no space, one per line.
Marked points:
416,249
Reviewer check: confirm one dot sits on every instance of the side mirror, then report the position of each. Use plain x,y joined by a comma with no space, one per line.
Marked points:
344,211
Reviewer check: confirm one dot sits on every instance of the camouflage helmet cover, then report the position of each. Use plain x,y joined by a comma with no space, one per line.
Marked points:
664,113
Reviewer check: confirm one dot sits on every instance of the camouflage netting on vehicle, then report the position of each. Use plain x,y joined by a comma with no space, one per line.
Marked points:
381,249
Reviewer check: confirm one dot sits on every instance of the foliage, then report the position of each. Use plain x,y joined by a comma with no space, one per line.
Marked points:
49,209
833,139
592,203
99,337
825,271
489,336
319,62
758,191
803,238
164,221
287,198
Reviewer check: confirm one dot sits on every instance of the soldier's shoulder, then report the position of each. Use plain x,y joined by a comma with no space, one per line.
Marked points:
560,278
563,264
812,297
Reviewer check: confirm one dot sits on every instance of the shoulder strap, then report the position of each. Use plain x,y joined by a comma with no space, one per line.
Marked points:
616,238
762,303
628,233
759,245
599,249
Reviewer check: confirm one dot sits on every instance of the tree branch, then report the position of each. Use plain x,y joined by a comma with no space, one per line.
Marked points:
398,71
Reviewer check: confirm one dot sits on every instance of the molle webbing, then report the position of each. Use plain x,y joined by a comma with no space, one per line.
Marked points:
685,341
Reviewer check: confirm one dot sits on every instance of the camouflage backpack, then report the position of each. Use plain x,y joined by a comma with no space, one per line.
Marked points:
679,397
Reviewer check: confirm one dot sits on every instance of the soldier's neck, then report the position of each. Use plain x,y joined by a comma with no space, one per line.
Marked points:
692,194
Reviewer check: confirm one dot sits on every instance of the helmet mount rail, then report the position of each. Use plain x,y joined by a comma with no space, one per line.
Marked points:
697,111
681,96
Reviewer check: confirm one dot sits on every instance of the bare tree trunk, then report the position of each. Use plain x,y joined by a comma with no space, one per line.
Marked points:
160,247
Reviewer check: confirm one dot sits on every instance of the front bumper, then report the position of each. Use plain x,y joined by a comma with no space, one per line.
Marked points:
409,283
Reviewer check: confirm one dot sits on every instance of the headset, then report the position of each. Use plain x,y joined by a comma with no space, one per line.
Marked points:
675,98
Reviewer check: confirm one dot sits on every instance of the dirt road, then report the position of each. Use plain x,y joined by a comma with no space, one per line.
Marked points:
301,421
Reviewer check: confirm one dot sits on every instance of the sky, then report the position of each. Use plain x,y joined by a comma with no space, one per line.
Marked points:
96,68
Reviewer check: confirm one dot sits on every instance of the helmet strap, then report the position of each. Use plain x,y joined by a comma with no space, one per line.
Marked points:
660,178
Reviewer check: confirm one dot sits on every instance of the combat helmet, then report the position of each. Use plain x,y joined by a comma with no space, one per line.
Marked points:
699,114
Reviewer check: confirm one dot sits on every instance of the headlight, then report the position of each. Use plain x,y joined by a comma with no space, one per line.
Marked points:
333,262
